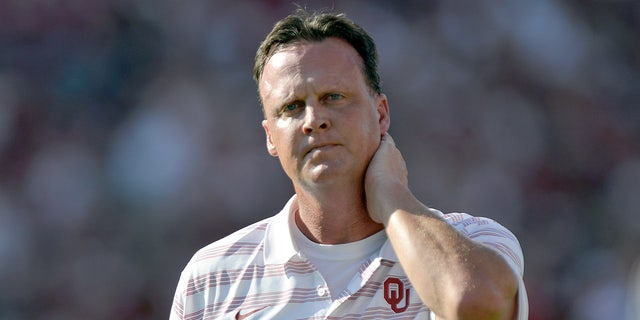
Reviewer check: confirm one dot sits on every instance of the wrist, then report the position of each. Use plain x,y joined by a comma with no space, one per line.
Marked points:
395,198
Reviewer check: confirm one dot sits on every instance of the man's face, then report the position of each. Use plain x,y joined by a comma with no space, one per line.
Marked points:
321,119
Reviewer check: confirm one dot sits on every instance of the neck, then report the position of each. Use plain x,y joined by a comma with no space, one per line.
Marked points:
334,218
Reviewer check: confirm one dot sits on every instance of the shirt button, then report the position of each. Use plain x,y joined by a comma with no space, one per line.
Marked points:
322,291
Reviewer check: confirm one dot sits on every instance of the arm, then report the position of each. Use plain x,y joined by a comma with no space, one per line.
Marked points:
455,277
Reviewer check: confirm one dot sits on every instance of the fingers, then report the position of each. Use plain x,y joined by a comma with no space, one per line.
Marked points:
387,137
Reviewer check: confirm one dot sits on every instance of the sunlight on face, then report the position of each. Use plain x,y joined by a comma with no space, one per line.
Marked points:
322,120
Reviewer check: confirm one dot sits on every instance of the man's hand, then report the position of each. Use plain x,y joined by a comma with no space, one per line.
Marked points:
386,180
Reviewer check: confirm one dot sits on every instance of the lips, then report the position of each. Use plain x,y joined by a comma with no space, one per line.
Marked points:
319,146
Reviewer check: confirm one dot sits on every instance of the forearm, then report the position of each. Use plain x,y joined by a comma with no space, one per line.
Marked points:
456,277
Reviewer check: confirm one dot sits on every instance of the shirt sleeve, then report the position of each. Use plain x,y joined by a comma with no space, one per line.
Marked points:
494,235
179,298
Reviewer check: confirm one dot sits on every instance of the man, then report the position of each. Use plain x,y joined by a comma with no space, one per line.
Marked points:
353,242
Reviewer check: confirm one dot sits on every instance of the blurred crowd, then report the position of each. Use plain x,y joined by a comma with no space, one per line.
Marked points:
130,137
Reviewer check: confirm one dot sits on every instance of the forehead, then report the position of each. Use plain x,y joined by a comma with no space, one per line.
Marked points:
328,61
333,50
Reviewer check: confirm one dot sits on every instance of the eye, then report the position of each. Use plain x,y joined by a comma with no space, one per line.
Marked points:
334,96
291,108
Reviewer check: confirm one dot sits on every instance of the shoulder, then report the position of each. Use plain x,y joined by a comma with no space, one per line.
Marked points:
474,227
214,268
490,233
235,246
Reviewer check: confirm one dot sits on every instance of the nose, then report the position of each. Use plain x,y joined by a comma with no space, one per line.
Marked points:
316,119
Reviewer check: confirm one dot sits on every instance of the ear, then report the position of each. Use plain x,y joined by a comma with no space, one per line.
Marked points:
384,119
270,146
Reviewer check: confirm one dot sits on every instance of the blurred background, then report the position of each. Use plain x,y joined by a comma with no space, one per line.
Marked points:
130,137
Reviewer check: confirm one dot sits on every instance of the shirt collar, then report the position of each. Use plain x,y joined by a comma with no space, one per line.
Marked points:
279,247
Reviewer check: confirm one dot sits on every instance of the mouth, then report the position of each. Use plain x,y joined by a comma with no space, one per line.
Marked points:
319,147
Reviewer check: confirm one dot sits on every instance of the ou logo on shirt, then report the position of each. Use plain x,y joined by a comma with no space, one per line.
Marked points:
394,294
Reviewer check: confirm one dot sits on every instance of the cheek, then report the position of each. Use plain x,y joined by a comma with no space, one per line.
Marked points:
372,125
372,132
283,124
283,135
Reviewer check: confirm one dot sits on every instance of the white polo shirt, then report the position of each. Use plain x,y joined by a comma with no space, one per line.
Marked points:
258,273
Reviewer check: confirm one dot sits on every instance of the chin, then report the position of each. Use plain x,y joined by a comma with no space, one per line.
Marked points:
331,175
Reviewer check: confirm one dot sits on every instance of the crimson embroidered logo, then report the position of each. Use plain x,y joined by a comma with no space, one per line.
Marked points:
394,294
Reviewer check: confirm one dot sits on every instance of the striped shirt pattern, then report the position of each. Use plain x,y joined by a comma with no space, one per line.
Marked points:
258,272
